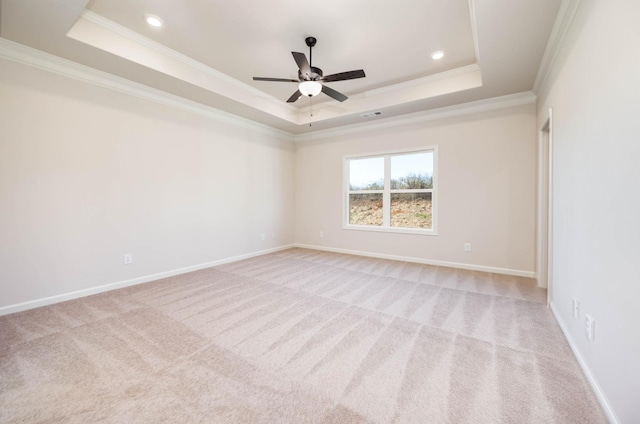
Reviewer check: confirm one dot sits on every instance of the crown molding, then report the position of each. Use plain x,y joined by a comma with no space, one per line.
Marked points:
35,58
166,51
448,82
104,34
511,100
424,80
564,19
38,59
474,29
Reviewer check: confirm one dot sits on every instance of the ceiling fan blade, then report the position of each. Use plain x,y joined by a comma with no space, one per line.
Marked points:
295,96
274,79
333,93
344,76
303,64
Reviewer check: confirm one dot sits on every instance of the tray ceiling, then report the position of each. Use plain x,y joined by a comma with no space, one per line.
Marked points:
208,51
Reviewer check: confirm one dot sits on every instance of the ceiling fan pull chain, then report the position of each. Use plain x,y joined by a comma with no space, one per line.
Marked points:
310,109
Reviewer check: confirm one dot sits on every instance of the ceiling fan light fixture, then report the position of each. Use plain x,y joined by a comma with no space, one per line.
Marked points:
310,88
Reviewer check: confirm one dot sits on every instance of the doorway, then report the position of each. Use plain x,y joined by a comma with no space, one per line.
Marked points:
545,209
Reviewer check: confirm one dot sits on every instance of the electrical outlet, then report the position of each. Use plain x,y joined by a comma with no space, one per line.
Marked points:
576,308
263,236
467,247
128,258
590,327
321,233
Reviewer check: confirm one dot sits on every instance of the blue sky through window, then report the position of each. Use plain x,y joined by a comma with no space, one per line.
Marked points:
363,172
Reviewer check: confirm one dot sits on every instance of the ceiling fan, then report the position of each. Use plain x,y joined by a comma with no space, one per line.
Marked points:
310,79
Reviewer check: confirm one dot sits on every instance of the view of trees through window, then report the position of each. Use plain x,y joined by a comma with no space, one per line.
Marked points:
392,190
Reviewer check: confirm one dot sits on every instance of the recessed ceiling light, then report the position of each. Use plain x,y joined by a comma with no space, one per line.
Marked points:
437,55
154,21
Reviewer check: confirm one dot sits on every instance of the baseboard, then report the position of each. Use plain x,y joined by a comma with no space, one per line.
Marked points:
470,267
606,406
10,309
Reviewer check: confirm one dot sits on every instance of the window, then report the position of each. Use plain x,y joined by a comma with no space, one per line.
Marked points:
392,192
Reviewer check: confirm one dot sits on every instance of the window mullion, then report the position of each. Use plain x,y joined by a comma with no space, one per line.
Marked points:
386,195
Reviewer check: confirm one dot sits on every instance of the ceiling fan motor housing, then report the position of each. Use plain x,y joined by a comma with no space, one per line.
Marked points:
316,73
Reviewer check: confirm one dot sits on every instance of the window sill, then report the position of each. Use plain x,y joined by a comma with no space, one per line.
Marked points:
397,230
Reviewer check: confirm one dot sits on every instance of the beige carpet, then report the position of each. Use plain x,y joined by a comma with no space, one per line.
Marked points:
298,336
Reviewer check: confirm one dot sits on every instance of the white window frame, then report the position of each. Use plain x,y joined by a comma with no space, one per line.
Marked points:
386,193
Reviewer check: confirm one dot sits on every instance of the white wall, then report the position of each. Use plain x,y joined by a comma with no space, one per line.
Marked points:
486,189
594,89
88,174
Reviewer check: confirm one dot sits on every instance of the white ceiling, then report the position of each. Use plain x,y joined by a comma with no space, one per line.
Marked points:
208,50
